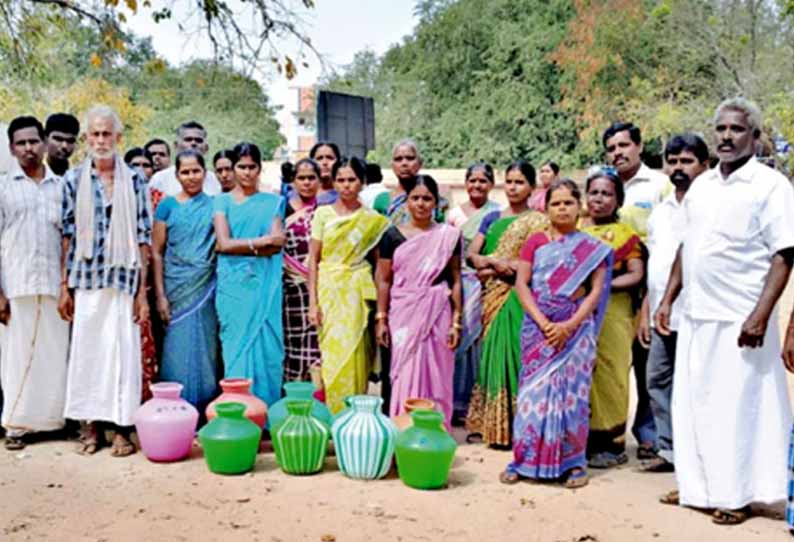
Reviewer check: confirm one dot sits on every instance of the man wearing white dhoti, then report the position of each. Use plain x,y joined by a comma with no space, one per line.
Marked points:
106,218
730,407
36,341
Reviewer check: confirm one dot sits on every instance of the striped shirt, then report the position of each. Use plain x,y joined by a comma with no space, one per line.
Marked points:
30,233
95,273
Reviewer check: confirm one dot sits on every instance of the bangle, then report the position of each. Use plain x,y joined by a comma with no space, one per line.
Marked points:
457,326
381,316
251,246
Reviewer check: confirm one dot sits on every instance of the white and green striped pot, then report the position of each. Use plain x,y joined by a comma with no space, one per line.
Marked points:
364,439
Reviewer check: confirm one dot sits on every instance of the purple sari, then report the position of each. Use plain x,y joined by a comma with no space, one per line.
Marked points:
420,316
552,420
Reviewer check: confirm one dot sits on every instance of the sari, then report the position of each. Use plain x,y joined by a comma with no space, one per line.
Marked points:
397,210
248,298
609,394
345,292
301,349
537,201
190,348
420,317
493,397
467,355
551,423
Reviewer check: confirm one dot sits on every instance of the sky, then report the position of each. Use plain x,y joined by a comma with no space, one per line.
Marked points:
337,28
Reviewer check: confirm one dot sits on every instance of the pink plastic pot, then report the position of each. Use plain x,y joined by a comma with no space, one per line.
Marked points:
166,423
238,390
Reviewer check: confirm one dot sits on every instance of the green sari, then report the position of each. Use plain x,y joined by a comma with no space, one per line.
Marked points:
494,395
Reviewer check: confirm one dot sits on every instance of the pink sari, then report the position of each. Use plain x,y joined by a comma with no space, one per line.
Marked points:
420,316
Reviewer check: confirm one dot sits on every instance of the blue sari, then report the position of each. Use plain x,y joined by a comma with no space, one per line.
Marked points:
249,298
552,418
190,348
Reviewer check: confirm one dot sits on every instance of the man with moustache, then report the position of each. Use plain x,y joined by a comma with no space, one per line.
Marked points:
106,226
160,153
61,130
644,189
189,135
730,407
36,341
686,157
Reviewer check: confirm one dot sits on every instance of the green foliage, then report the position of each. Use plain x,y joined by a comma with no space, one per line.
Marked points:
502,79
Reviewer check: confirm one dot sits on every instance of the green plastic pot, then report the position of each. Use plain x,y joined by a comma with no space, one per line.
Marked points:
230,441
425,451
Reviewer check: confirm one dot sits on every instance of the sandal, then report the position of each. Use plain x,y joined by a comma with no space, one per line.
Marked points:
657,464
509,477
646,452
122,447
607,460
14,444
723,516
672,498
577,478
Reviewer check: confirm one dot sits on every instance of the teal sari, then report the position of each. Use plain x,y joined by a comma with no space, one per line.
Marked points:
249,298
190,348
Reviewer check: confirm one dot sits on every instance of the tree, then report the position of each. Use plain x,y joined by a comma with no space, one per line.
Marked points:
247,34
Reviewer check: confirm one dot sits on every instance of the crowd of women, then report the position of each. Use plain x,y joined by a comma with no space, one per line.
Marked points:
492,313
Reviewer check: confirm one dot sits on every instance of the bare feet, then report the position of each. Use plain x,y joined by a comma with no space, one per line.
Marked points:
122,446
88,443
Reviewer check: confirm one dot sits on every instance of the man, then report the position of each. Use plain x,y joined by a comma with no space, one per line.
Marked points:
686,157
374,187
139,159
189,135
106,234
160,153
61,130
36,341
644,189
730,408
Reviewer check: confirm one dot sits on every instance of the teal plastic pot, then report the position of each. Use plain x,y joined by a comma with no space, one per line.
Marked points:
297,390
425,451
230,441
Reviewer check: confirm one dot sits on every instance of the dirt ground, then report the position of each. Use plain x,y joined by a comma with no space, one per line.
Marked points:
47,492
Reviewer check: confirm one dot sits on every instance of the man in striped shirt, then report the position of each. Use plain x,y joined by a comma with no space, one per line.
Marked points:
35,343
106,236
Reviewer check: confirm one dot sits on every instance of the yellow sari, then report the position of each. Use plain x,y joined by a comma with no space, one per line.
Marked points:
609,393
345,290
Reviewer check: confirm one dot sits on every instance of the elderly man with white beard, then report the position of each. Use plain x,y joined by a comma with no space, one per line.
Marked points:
106,236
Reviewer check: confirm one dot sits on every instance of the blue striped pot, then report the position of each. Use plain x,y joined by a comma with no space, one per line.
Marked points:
301,441
364,439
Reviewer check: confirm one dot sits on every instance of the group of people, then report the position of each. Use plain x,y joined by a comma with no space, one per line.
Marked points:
521,323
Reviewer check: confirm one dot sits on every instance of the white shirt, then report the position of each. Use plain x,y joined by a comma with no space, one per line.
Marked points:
733,228
370,192
166,182
644,191
664,237
30,233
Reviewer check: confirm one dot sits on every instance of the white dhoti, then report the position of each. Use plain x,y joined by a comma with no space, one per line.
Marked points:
731,417
104,382
35,348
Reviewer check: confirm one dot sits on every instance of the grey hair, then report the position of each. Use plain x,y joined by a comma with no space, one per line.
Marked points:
743,105
190,125
102,111
411,144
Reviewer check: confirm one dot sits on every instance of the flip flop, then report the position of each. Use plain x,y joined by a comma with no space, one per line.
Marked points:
672,498
14,444
121,447
509,477
657,464
577,478
646,452
88,446
607,460
723,516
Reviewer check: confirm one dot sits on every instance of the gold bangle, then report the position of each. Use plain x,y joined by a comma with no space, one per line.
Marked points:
381,316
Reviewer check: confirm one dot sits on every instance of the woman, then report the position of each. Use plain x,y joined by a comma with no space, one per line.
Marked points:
548,173
224,171
468,217
183,254
406,162
494,254
302,353
249,240
341,288
140,159
609,395
326,154
563,284
419,302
